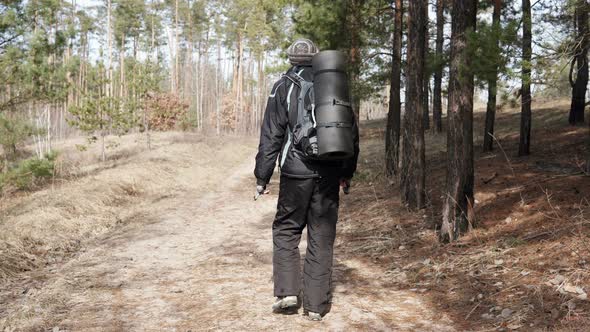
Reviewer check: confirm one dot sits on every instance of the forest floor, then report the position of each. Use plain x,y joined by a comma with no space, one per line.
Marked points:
526,265
171,239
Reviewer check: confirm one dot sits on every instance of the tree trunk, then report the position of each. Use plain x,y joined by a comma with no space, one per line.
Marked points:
259,95
426,80
392,132
525,119
239,81
458,204
203,56
413,158
354,23
176,48
488,135
588,154
110,50
154,56
122,69
48,137
426,101
198,85
438,74
219,94
581,59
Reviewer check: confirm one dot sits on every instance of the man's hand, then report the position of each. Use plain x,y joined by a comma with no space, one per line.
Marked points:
345,185
261,190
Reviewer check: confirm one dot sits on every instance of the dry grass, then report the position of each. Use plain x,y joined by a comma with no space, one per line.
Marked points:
42,227
526,266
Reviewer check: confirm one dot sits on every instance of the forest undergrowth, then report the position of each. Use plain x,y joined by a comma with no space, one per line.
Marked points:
525,265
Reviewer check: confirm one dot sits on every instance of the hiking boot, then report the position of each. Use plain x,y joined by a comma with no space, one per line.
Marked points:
314,316
285,303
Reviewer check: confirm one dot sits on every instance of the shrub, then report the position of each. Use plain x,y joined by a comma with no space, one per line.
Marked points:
13,131
29,173
165,111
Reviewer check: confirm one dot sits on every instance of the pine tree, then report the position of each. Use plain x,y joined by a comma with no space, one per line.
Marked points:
458,202
527,50
488,142
427,73
580,59
392,132
438,66
412,173
98,113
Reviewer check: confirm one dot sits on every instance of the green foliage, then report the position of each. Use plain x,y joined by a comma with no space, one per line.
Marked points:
13,131
29,173
128,20
98,113
488,48
322,21
103,114
278,68
556,76
343,25
265,27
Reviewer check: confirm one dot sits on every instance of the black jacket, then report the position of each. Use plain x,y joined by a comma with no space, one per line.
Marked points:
274,136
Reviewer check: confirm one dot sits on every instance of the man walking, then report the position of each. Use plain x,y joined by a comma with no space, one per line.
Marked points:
308,195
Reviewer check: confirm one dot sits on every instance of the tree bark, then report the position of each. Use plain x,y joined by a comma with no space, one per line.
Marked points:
392,132
122,68
412,173
239,80
458,203
426,80
218,86
588,154
176,49
203,56
355,18
438,74
259,92
426,101
110,50
527,51
581,60
488,135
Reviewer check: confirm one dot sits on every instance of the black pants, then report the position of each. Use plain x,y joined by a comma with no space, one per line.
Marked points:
312,203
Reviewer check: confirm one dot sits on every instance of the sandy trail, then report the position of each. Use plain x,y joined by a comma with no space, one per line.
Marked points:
204,264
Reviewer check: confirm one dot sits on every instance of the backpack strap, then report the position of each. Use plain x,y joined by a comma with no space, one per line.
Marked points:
292,79
296,80
295,77
289,128
306,87
334,102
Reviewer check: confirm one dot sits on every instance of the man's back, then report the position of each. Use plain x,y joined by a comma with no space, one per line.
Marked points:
277,136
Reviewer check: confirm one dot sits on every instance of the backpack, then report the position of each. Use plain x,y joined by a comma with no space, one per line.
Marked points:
303,133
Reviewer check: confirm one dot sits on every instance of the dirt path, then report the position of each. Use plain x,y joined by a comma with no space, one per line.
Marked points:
204,264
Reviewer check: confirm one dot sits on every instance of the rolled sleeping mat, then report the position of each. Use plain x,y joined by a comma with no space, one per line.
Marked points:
333,112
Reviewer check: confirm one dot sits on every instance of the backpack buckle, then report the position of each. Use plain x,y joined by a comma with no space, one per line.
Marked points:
341,103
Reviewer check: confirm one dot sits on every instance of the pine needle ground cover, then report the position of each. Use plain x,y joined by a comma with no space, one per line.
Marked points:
525,265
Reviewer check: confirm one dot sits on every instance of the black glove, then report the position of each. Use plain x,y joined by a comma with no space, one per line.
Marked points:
345,184
260,190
